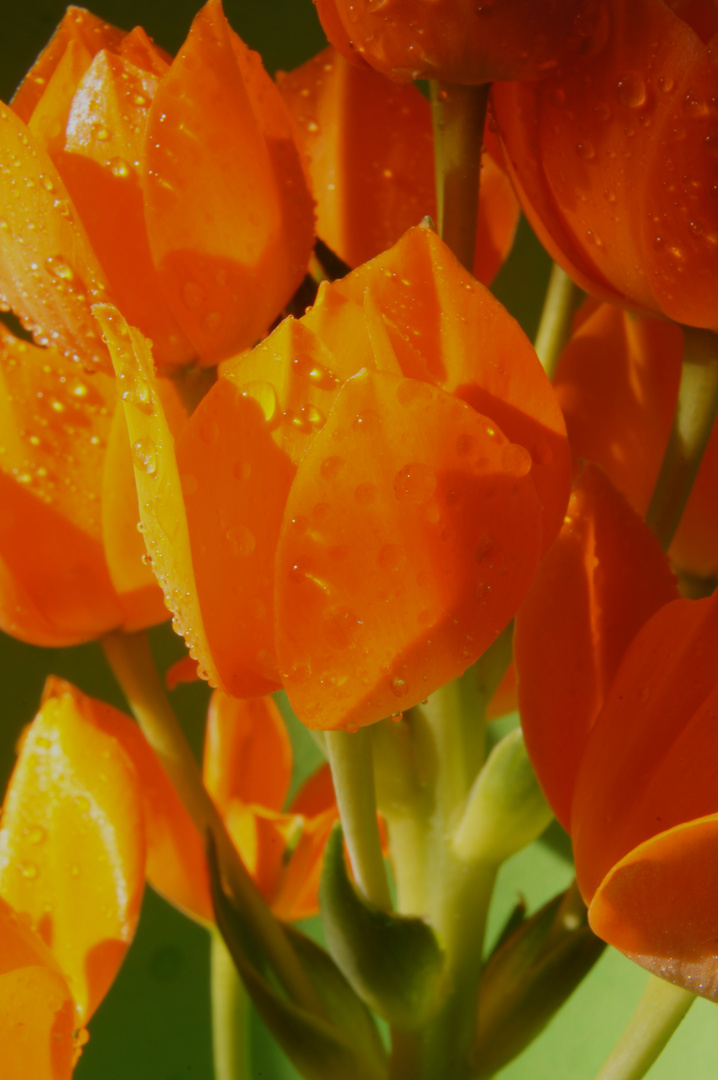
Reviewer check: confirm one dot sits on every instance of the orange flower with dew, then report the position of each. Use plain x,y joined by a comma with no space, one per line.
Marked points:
617,382
604,577
71,558
72,870
357,507
370,151
644,818
172,188
457,40
247,770
613,156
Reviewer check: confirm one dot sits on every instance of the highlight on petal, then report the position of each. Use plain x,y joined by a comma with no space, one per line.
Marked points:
650,763
247,752
176,864
230,220
53,428
159,486
72,853
658,906
369,147
602,579
449,330
49,274
410,536
101,163
37,1014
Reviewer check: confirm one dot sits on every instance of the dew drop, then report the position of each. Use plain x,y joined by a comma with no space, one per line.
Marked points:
585,150
399,687
119,168
144,455
209,431
630,90
265,395
212,321
516,460
36,834
331,467
309,418
193,295
415,483
102,134
242,470
28,870
58,267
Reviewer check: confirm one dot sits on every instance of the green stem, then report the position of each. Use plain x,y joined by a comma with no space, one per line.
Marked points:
458,114
131,660
230,1016
658,1014
554,328
350,758
692,425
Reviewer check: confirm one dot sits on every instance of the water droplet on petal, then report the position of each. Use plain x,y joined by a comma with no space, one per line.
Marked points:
331,467
28,870
630,90
144,455
193,295
59,268
399,687
415,483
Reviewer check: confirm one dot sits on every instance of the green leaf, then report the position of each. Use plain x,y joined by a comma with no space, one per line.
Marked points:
393,962
342,1043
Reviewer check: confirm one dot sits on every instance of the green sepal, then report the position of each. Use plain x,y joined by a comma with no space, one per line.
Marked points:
344,1041
529,977
394,962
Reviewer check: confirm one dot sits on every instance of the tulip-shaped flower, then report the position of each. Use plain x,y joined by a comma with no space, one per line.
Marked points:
174,189
617,381
457,40
369,146
357,507
72,871
614,158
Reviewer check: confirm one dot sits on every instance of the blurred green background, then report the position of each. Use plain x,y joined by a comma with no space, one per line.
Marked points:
155,1022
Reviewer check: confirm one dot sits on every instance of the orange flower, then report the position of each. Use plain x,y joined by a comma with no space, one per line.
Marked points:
71,558
72,866
457,40
370,151
645,814
614,158
603,578
173,188
247,770
617,381
357,507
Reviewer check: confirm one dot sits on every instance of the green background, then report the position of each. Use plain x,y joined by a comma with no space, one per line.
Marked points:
154,1024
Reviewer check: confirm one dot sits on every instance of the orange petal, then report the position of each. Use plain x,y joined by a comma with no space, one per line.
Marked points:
72,850
37,1014
48,121
53,426
316,794
601,581
183,671
49,274
230,220
261,838
297,896
140,49
400,561
176,864
449,330
79,27
650,762
102,162
658,906
247,752
375,183
158,481
505,699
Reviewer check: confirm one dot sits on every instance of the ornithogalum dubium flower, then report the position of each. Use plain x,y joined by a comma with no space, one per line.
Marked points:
614,155
172,188
376,480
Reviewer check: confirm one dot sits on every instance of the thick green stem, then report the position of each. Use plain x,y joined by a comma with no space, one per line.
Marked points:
692,425
458,114
658,1014
350,758
555,326
230,1016
130,658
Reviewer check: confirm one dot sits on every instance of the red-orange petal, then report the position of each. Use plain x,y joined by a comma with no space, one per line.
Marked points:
102,162
53,426
72,851
37,1014
658,906
230,218
297,896
49,274
247,752
649,764
369,146
449,330
603,578
79,27
401,560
